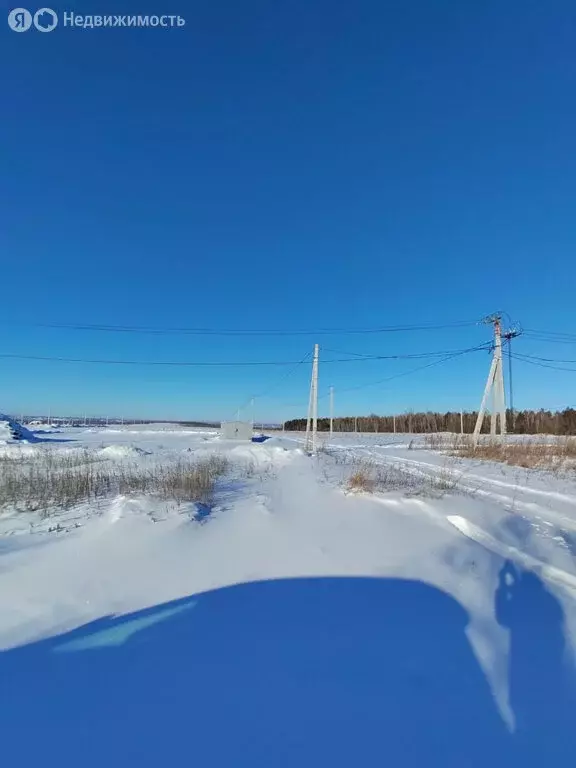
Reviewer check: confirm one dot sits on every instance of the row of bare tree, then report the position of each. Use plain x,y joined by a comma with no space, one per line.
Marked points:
519,422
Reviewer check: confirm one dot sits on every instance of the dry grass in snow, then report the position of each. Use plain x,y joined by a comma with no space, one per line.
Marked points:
362,479
45,483
371,477
559,454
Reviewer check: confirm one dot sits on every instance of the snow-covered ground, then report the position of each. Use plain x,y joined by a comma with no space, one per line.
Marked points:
449,604
11,430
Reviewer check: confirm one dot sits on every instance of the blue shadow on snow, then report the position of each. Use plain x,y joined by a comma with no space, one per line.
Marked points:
56,440
542,674
260,438
290,673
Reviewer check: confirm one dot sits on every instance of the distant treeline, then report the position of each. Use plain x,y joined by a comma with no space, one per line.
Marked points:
521,422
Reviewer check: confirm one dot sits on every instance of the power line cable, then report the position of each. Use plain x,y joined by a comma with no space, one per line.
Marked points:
191,363
413,356
287,375
183,363
252,331
553,334
549,339
276,384
413,370
542,365
481,347
545,359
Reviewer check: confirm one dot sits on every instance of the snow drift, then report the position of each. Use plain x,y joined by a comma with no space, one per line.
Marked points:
11,430
122,452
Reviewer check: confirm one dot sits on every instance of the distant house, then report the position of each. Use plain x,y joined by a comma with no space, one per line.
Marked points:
236,430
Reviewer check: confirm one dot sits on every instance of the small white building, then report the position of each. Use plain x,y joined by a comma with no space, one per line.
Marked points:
236,430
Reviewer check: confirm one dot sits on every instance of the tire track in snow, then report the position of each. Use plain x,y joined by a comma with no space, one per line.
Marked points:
490,542
549,522
514,502
482,487
485,539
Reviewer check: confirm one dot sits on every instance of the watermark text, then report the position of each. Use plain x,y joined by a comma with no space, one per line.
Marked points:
46,20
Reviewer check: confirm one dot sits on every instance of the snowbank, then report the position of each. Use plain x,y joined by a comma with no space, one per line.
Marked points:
11,430
264,456
153,429
122,452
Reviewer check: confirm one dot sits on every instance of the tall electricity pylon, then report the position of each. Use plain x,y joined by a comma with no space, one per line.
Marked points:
312,420
494,385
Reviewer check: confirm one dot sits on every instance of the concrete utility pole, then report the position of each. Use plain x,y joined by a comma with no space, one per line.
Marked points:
494,385
394,421
331,412
313,407
508,337
461,422
356,424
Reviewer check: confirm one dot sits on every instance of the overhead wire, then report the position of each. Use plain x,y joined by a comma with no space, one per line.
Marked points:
177,363
549,339
478,348
202,363
544,359
287,375
526,359
276,384
253,331
457,353
445,355
412,356
556,334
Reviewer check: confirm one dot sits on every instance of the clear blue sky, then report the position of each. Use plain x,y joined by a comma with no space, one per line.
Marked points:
286,165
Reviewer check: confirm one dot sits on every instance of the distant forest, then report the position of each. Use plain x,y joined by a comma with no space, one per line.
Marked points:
521,422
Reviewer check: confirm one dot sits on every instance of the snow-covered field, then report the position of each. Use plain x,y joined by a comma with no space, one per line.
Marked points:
361,628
